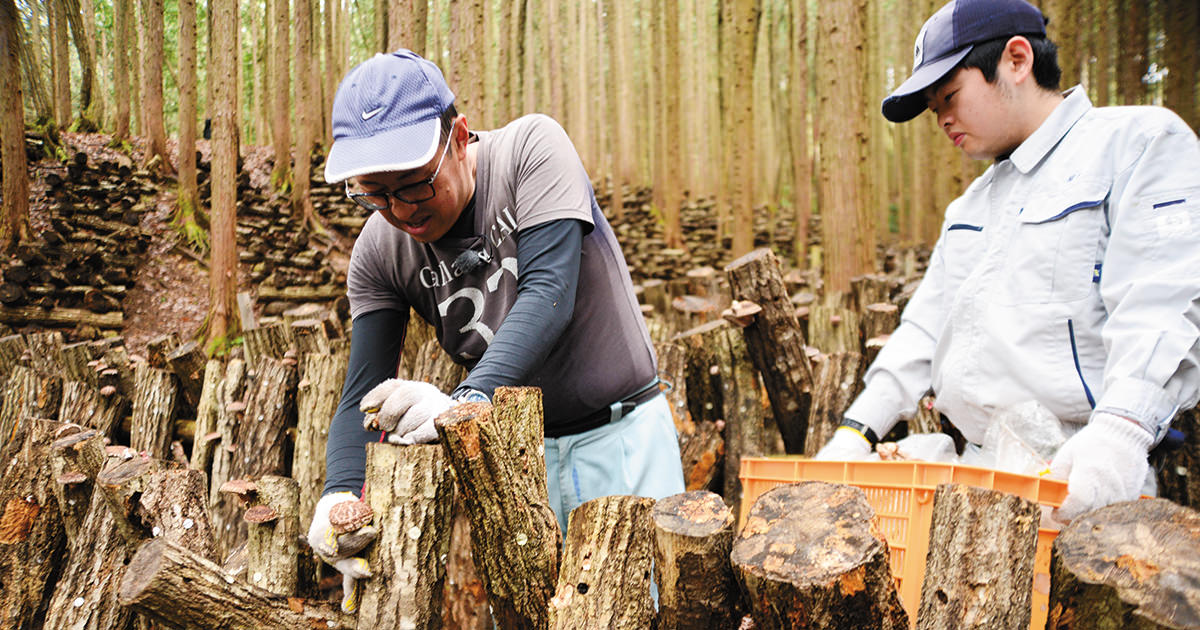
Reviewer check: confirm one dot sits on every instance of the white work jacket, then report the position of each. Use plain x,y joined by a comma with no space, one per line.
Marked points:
1068,274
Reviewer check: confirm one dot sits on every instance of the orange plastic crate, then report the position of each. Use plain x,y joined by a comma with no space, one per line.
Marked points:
902,495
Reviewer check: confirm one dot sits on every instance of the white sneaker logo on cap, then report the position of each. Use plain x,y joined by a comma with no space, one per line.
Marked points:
371,114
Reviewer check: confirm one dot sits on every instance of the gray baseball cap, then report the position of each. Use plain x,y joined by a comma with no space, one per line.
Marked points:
948,36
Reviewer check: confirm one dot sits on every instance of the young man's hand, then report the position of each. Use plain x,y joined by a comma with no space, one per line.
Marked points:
846,444
338,550
405,409
1104,463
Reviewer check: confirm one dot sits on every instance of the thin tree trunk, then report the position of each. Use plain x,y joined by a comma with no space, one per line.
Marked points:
120,63
82,38
14,211
152,56
222,316
739,158
1181,21
281,137
302,207
1133,43
188,199
60,63
798,132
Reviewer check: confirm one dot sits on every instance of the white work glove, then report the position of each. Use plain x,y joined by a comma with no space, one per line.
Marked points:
1104,463
846,444
323,541
405,410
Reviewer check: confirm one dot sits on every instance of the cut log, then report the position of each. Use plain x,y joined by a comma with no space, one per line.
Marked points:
302,294
703,374
1129,565
776,343
32,538
605,577
226,514
979,571
310,336
261,438
832,327
180,589
75,460
317,397
267,341
693,534
87,406
27,395
23,315
12,349
174,507
416,334
121,485
809,556
672,369
46,352
158,348
466,604
271,542
837,386
411,491
206,438
745,428
187,363
497,454
879,319
703,457
76,360
153,411
869,289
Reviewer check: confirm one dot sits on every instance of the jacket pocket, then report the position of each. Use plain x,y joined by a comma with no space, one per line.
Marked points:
1056,246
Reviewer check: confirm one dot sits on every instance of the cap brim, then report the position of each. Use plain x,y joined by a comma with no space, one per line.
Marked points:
908,101
401,149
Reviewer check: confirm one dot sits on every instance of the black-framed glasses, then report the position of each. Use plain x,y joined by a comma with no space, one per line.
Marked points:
413,193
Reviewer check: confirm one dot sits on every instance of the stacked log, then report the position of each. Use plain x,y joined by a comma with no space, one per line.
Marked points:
83,258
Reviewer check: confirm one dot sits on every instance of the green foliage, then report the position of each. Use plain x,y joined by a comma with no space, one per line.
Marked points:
220,347
121,145
893,218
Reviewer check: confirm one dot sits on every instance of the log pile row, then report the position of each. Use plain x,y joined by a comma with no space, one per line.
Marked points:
639,229
85,252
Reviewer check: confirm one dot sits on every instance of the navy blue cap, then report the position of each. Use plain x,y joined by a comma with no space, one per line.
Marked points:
948,36
386,116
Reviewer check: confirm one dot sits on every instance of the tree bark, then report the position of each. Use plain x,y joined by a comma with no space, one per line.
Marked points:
12,348
411,491
27,395
319,391
14,195
833,327
187,363
153,411
206,439
498,458
776,343
152,69
281,133
979,571
267,341
261,435
230,394
605,580
75,460
32,537
837,386
223,63
693,534
188,197
1127,566
271,546
809,557
180,589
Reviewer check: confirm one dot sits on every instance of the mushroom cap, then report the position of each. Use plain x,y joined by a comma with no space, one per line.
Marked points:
260,514
348,516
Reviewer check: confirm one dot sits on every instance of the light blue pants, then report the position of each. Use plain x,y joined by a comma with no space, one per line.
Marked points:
636,455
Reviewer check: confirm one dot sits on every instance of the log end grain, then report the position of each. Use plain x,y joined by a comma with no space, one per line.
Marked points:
696,514
1136,559
141,571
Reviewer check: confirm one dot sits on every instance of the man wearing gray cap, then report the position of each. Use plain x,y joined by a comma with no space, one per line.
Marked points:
495,238
1067,274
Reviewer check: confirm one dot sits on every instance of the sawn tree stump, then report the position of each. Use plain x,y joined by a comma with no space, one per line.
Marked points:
809,557
693,534
1132,566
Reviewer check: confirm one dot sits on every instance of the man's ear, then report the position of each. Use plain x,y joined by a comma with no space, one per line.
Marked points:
462,135
1017,59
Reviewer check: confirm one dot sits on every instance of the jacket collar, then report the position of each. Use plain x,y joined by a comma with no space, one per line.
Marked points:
1037,146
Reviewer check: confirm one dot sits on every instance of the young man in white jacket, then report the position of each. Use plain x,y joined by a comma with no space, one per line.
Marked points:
1068,273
